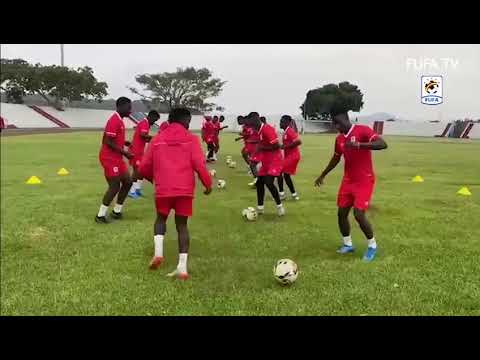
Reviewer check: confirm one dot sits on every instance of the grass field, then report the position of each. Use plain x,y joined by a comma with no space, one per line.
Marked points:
56,261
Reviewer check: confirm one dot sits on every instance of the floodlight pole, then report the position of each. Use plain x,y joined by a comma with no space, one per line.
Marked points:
61,55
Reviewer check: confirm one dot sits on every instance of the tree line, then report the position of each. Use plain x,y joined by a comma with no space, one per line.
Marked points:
188,87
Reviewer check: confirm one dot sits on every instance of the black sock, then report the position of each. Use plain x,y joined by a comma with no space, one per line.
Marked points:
273,189
288,180
260,190
280,183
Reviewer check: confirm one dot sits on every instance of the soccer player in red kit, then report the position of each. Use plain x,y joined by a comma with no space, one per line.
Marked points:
355,143
162,126
291,148
140,138
208,136
171,161
250,141
111,159
217,122
270,155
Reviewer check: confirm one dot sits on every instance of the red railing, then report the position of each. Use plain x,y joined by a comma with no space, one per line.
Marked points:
49,117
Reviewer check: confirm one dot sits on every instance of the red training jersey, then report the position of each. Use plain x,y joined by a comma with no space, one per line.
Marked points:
289,137
138,142
171,161
163,126
268,136
358,162
217,127
115,129
208,131
246,133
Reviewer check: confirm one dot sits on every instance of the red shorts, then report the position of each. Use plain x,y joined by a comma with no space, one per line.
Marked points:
209,139
356,194
290,164
183,205
114,167
250,148
273,168
135,161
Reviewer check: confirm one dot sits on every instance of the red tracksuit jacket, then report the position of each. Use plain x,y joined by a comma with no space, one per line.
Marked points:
171,161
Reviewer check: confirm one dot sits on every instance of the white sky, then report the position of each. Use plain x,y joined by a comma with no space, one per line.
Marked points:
274,79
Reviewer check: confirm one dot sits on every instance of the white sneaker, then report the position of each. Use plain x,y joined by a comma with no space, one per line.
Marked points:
260,210
282,196
179,275
253,183
296,197
280,210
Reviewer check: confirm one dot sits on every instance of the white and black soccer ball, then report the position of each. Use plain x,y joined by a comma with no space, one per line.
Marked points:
221,184
285,271
250,214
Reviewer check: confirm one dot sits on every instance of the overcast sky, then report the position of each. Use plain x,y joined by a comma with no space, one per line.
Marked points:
274,79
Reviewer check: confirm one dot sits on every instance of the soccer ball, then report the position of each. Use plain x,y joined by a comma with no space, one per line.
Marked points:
285,271
221,184
232,164
250,214
213,172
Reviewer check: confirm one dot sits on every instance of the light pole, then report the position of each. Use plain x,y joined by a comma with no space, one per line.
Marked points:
61,55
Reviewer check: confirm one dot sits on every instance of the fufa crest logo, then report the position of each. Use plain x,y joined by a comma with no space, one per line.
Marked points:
432,90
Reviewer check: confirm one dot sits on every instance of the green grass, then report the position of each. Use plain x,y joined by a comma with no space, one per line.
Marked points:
56,261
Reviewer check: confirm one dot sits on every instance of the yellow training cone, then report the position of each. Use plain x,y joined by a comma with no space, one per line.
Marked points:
464,191
418,178
62,171
34,180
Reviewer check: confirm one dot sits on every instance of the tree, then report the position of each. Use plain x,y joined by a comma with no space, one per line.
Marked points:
12,78
187,87
53,83
332,98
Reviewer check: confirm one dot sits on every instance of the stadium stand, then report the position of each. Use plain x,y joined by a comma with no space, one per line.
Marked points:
475,132
467,131
445,131
53,119
84,118
23,117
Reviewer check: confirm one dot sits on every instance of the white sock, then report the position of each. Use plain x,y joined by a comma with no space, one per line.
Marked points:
182,262
158,240
294,194
372,243
282,193
279,205
261,207
103,210
347,240
139,184
118,208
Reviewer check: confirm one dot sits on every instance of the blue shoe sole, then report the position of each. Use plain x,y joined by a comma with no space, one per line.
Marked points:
346,252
